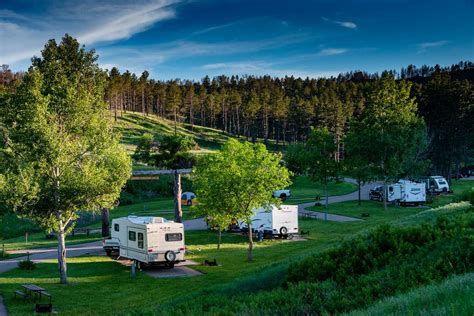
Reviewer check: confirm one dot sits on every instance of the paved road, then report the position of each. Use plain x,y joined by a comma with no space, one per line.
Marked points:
40,255
336,199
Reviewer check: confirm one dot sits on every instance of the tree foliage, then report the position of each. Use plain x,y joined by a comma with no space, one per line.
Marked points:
60,155
237,179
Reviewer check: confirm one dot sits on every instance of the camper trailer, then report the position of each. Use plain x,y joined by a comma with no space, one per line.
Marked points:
277,221
406,192
147,240
435,184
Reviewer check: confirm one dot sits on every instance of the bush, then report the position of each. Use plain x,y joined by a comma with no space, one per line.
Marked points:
468,196
26,265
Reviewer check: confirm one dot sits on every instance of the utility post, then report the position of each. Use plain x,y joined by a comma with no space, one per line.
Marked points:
178,211
105,222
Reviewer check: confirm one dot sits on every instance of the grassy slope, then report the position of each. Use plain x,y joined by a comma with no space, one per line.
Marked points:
454,296
134,125
95,280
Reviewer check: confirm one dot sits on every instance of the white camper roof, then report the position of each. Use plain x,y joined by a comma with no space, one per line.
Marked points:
147,220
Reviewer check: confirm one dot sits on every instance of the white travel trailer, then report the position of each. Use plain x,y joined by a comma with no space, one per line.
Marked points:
435,184
282,221
148,240
407,192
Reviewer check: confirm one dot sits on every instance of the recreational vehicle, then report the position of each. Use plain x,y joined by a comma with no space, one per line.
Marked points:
281,221
147,240
407,192
435,184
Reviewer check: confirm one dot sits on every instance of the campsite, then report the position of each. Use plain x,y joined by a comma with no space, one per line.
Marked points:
255,159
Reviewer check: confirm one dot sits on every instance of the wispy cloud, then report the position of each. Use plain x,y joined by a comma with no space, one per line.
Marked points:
346,24
427,45
89,21
332,51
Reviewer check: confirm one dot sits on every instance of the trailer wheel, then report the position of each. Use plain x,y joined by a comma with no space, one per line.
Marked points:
170,256
108,252
283,231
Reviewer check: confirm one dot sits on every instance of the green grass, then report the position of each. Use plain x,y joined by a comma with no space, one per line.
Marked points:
134,125
304,190
458,187
375,209
99,284
454,296
38,240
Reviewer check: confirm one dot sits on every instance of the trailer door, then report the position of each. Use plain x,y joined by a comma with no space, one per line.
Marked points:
136,244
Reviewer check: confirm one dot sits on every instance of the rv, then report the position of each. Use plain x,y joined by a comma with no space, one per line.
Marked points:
406,192
277,221
147,240
435,184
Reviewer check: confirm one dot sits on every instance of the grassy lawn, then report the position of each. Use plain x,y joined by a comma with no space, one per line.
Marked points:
304,190
376,211
99,285
453,296
38,240
458,187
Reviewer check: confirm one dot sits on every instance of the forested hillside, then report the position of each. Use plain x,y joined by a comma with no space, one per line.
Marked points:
284,109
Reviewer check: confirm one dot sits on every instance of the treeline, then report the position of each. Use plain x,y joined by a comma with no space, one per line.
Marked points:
285,109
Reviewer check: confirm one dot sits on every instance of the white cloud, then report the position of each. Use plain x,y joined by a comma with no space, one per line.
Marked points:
89,21
346,24
427,45
332,51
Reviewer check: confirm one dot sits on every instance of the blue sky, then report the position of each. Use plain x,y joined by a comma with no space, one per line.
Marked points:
190,39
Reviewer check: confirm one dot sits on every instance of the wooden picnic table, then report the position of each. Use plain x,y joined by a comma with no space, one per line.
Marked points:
33,289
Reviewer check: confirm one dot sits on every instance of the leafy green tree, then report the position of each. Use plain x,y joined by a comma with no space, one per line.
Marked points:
389,130
173,151
60,156
244,175
144,149
319,158
448,108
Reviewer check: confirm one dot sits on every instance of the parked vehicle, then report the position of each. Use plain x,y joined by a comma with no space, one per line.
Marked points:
188,198
147,240
282,194
278,221
376,193
435,184
406,192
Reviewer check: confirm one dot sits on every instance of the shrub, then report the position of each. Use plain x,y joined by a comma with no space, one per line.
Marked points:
26,265
468,196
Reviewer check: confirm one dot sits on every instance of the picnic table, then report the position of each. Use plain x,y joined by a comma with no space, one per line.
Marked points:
32,289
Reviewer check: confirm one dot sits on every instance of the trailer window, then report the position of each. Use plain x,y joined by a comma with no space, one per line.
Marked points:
116,227
174,237
140,240
132,236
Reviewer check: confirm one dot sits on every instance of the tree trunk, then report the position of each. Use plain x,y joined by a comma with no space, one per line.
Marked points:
385,194
327,194
105,222
62,252
219,239
178,212
358,183
250,253
175,122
